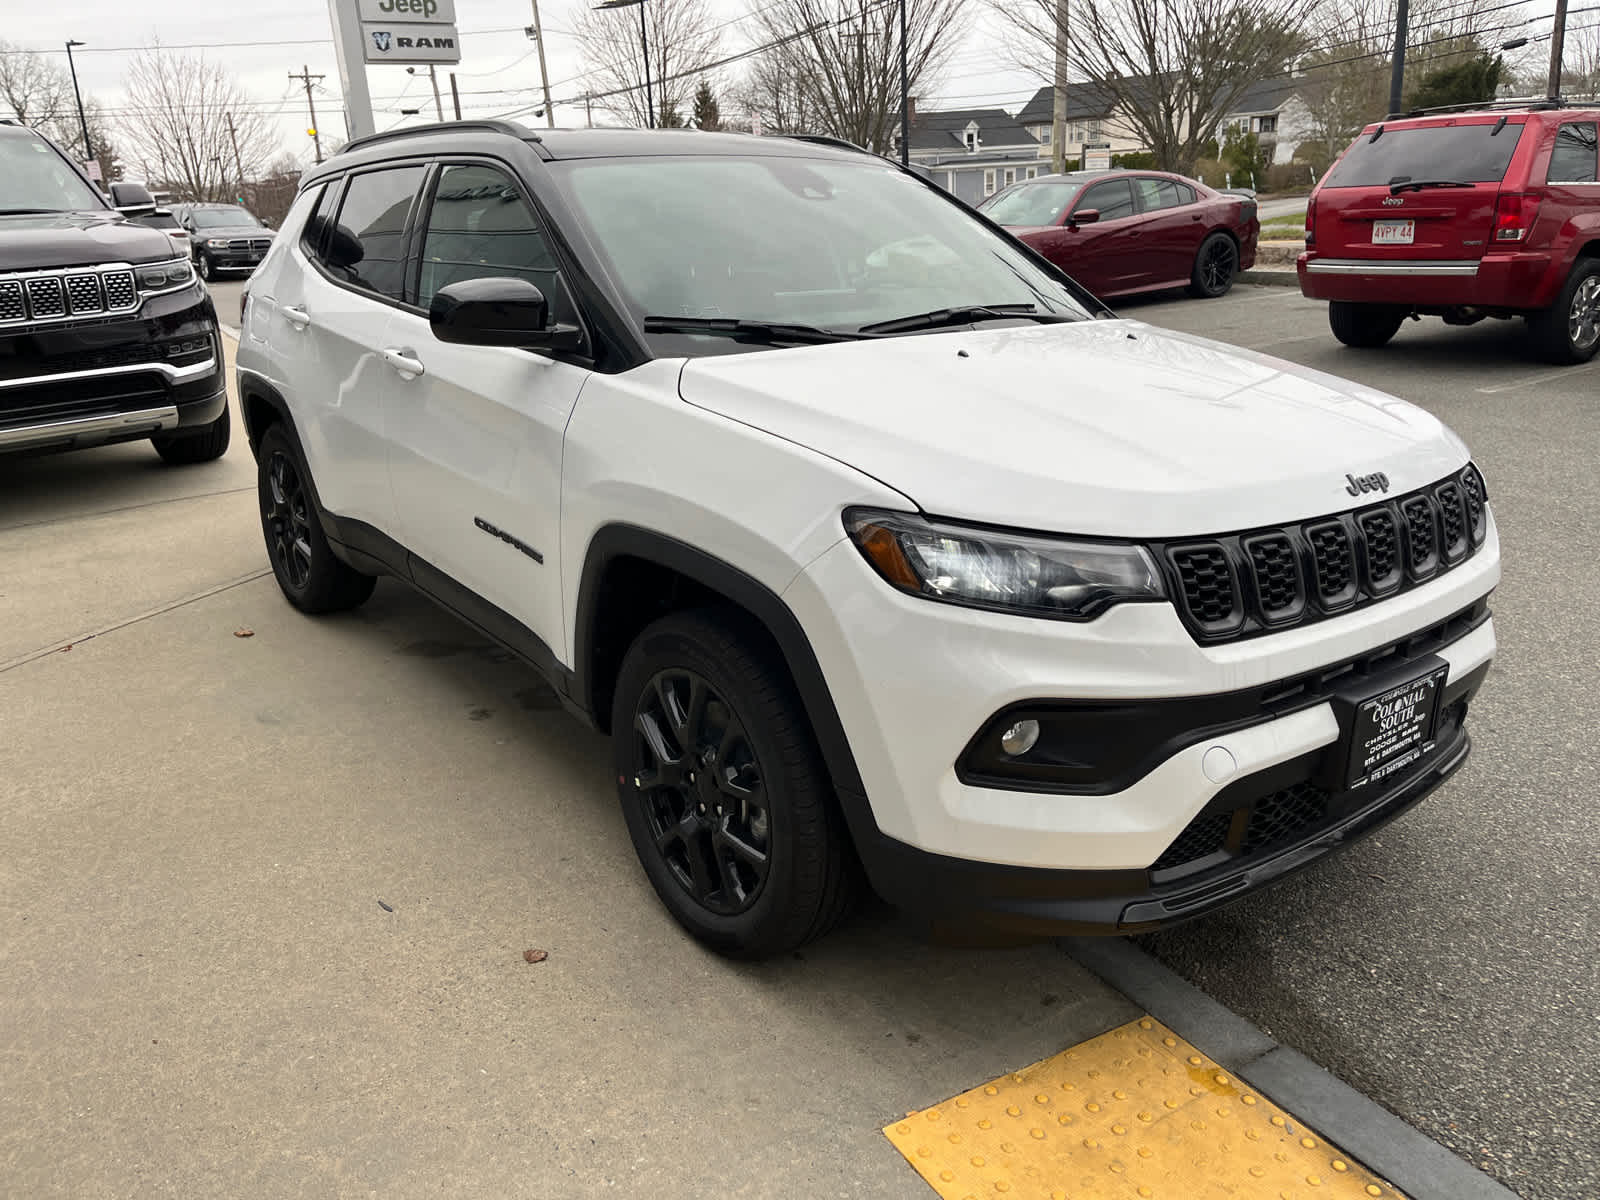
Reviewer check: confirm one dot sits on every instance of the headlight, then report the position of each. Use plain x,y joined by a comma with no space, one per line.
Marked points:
158,277
217,243
1033,575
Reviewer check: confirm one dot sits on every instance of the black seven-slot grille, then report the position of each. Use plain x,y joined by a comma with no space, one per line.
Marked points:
1243,584
59,295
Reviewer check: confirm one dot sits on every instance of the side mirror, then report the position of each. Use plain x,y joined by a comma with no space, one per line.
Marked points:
1087,216
498,312
337,246
132,199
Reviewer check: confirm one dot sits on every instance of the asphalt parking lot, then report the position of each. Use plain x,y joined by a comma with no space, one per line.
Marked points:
1447,966
267,896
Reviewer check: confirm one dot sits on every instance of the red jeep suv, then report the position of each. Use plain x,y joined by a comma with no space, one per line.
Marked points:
1463,216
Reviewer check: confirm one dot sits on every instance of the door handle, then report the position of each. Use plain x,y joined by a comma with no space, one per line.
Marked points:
298,317
403,360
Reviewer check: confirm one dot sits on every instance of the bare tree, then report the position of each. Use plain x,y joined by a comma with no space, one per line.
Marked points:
773,98
837,62
38,92
683,38
179,107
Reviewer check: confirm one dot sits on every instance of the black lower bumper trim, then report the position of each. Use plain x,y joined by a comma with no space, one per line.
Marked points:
956,893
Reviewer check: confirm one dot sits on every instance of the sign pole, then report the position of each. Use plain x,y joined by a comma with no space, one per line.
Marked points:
351,57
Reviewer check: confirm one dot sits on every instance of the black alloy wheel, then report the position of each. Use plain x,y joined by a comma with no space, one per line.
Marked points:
288,520
207,271
702,791
1215,267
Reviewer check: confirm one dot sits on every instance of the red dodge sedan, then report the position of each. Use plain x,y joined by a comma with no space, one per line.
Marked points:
1121,232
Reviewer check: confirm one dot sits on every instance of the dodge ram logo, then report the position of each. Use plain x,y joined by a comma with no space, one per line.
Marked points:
382,41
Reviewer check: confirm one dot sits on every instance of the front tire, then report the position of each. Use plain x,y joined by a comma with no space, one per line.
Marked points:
311,576
211,442
207,271
1365,326
723,790
1216,266
1568,332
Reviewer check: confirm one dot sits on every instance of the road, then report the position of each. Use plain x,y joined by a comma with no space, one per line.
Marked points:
1447,966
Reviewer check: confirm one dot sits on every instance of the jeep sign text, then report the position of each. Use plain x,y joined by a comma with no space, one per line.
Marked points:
383,13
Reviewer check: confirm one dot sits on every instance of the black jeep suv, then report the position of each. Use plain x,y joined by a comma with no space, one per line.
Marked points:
105,333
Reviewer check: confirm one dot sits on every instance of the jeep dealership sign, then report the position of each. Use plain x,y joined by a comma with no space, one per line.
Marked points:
413,12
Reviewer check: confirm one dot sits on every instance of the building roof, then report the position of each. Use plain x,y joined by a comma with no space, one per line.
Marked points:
1085,99
1269,95
946,131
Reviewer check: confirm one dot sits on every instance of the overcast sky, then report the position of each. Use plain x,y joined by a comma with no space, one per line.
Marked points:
498,73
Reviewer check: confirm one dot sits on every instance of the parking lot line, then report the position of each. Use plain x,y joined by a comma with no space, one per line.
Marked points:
1136,1112
1562,373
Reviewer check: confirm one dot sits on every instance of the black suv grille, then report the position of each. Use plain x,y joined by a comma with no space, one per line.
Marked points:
1244,584
57,295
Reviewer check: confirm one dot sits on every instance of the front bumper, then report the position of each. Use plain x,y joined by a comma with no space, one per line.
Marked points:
914,681
1508,281
110,379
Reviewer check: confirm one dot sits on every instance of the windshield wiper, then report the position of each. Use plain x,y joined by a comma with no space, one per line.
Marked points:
965,315
1416,185
737,327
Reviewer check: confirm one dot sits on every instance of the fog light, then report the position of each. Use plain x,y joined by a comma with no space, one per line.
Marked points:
1020,738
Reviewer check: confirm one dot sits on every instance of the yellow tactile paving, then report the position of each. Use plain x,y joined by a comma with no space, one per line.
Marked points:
1134,1113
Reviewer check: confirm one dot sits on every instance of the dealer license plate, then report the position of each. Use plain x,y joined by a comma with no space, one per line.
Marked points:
1393,233
1395,729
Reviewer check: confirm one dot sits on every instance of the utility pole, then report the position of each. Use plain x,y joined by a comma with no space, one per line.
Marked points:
588,111
237,163
544,74
88,150
308,79
438,104
1558,38
1058,115
455,96
1397,68
905,94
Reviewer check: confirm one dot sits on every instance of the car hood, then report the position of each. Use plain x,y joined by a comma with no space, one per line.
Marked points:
232,231
1099,427
37,242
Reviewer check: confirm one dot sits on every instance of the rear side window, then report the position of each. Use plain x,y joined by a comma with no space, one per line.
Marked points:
1113,198
1163,193
317,223
1573,160
367,245
1463,153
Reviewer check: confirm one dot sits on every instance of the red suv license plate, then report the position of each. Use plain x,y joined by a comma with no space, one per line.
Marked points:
1394,729
1393,233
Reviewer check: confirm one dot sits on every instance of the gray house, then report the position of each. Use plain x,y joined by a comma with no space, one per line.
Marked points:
972,152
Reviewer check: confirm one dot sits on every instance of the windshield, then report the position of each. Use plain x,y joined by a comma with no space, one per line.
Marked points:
33,177
221,218
1465,153
1030,204
160,221
818,242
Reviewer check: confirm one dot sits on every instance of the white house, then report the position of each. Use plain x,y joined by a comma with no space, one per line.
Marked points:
1275,111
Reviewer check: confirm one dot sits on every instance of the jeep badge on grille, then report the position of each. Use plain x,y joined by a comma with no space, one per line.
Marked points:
1376,482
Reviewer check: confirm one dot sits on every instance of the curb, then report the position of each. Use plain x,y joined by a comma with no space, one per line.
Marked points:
1413,1162
1268,277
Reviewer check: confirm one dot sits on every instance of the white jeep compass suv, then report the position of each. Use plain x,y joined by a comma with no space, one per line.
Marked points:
876,544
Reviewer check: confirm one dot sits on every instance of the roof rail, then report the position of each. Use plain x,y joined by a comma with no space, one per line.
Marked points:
1531,103
510,128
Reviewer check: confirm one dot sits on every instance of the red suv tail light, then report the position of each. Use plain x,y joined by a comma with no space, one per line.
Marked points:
1513,216
1311,221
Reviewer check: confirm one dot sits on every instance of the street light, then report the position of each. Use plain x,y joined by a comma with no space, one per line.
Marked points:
644,45
88,150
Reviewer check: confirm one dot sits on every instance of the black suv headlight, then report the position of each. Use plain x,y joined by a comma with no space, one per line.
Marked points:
1029,574
165,276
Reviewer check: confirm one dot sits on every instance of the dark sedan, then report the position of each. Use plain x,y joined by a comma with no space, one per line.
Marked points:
1122,232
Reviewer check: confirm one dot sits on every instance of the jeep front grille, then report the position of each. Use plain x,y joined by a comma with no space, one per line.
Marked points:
1261,580
62,295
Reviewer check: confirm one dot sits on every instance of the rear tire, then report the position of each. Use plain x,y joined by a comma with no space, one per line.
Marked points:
723,789
1365,326
1216,266
1568,332
211,442
311,576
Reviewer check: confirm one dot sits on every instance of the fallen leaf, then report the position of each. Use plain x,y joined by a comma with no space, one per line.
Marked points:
385,907
535,955
64,649
244,633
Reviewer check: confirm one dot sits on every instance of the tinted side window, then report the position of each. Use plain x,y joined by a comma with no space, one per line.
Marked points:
1114,199
317,223
480,227
373,219
1162,193
1573,160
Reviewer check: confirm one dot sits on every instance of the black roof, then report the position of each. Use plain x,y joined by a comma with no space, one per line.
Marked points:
1086,99
1269,95
946,130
